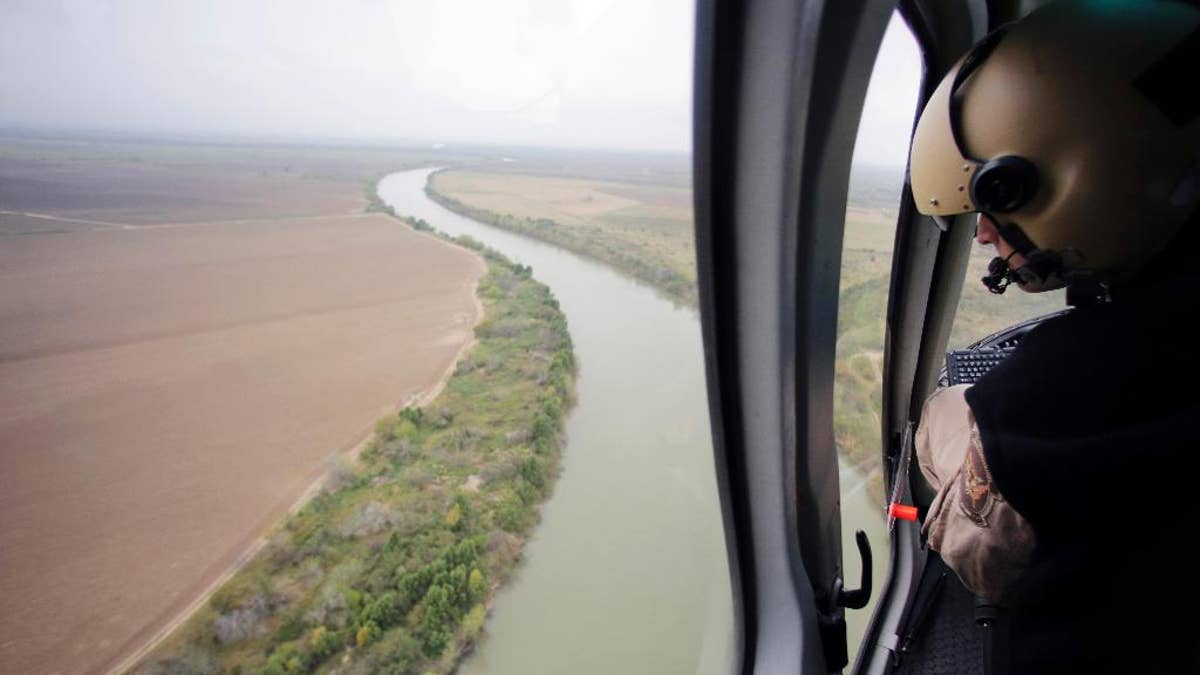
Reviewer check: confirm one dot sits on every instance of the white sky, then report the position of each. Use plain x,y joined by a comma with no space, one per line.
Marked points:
891,105
583,73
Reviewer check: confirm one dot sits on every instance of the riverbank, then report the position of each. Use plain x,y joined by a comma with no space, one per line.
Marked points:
395,563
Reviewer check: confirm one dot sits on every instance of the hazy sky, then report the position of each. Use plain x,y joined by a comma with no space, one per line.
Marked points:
594,73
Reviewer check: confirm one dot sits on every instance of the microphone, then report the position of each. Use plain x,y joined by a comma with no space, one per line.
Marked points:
999,275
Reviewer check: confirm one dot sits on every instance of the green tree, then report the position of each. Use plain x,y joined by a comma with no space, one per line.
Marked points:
534,472
453,518
322,643
472,623
438,621
383,611
367,633
543,426
476,584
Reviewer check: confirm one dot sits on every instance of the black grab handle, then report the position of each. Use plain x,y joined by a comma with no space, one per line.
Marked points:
857,599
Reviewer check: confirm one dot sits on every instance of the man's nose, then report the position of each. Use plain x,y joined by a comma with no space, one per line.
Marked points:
985,233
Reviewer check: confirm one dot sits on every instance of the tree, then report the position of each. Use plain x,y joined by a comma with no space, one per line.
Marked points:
367,633
459,515
533,472
476,584
472,623
453,518
384,611
439,619
322,643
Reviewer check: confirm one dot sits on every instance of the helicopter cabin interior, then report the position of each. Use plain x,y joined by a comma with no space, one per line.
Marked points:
779,92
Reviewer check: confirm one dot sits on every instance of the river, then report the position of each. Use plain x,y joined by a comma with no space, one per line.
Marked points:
627,570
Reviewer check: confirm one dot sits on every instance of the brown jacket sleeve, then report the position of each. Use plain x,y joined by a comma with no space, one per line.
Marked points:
978,534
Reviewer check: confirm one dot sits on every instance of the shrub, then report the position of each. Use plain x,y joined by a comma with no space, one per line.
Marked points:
534,472
472,623
241,623
372,518
339,473
510,515
367,633
322,642
476,584
291,627
330,608
383,611
192,661
285,660
528,494
396,653
453,518
543,427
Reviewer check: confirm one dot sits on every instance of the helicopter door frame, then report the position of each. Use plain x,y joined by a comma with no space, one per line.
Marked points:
779,90
928,272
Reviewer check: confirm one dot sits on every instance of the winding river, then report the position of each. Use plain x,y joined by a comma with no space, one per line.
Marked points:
627,570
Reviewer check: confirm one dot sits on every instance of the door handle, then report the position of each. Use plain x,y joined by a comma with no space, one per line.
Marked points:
857,598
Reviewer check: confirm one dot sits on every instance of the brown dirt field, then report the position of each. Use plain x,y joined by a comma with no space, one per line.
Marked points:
143,193
166,393
15,224
671,198
566,200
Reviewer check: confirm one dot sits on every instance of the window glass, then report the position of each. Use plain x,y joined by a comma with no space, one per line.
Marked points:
981,312
353,337
876,181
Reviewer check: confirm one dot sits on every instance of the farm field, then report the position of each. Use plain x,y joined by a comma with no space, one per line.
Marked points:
644,230
188,338
89,184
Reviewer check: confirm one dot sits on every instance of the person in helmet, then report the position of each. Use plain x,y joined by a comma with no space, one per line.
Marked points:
1065,477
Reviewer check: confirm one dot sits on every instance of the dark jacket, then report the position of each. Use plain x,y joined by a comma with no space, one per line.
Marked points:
1090,430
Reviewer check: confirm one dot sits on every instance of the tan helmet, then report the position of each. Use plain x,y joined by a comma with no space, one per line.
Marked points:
1077,129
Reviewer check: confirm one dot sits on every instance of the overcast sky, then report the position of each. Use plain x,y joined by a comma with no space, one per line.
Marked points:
584,73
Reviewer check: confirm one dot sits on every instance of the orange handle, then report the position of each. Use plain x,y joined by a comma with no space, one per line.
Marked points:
902,512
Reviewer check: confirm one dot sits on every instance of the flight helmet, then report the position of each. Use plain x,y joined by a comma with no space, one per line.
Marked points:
1077,130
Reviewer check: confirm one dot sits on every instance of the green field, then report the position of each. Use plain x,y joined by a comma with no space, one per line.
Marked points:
392,568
